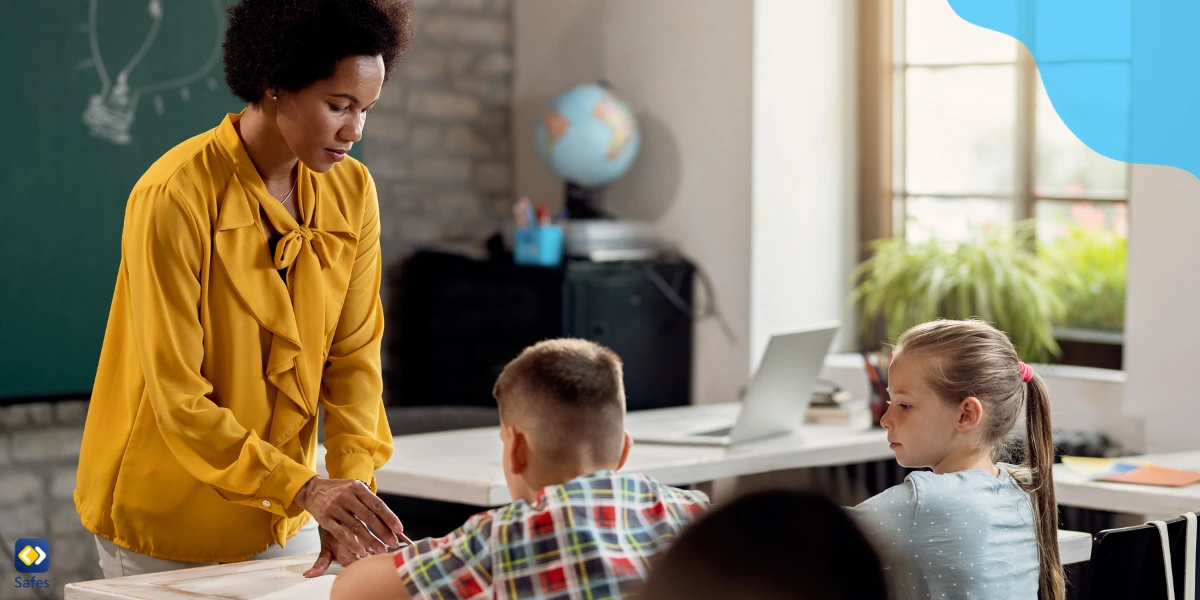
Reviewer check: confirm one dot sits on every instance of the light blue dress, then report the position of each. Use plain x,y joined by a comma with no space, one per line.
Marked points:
957,535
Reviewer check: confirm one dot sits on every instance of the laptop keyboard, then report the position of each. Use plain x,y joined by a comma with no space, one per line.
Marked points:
716,433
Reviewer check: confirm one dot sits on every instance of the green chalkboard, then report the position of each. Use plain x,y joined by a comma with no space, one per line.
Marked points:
94,92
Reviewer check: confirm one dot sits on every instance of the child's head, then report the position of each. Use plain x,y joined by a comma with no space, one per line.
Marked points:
771,545
562,414
957,390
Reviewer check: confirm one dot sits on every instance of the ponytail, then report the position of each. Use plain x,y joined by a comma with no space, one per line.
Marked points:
974,359
1039,437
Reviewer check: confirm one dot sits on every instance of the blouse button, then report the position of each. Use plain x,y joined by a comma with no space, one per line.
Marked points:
267,503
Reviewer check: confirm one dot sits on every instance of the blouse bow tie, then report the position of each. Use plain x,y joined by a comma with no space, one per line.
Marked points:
325,245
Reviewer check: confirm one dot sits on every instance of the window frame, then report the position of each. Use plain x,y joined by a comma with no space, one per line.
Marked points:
882,137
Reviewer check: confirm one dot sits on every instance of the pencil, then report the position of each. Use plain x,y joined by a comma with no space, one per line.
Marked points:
873,375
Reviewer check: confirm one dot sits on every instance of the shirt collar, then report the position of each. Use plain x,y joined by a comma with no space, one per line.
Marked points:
602,474
233,148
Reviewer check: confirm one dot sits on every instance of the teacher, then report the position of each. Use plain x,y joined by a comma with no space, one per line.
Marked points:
247,297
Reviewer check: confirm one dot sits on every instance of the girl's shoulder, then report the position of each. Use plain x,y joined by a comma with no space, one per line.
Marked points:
934,490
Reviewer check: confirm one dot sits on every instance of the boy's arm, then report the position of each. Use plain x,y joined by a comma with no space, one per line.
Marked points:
371,578
456,566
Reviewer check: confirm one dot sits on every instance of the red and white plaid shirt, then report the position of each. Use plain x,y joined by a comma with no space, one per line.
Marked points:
590,538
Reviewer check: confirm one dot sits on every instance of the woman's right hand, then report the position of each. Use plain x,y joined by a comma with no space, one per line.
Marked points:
347,509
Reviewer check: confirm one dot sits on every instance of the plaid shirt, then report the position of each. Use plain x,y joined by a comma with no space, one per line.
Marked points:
590,538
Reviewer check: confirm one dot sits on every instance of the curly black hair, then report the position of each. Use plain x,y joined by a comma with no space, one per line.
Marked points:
291,44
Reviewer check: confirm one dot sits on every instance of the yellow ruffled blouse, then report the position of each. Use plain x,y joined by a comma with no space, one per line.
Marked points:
202,424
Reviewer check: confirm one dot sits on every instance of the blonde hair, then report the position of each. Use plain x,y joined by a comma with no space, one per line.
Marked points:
964,359
571,393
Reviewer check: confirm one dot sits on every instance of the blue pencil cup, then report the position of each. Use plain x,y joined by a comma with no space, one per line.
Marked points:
538,246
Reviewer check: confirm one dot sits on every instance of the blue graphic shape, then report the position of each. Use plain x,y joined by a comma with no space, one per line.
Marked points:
1122,74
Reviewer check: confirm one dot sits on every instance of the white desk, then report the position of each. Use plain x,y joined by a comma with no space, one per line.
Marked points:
1074,546
254,580
464,466
1073,490
236,581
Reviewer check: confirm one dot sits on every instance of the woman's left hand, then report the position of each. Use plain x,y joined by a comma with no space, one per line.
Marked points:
331,550
347,509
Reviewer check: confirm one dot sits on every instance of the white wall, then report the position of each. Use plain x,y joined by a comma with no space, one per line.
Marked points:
1162,348
804,213
746,113
686,68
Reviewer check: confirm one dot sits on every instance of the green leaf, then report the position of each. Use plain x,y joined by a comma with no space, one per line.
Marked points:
996,275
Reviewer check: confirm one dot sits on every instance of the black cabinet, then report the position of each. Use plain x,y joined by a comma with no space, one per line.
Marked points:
458,321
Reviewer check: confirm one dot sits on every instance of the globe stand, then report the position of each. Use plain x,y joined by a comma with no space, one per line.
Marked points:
600,236
581,203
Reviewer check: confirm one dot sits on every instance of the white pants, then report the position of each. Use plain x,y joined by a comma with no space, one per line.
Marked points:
116,561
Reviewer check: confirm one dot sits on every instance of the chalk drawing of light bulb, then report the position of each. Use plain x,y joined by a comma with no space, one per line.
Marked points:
110,114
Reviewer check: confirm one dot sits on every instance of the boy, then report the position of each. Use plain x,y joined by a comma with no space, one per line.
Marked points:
577,528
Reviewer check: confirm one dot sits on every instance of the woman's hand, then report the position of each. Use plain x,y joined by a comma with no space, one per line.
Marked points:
346,509
331,550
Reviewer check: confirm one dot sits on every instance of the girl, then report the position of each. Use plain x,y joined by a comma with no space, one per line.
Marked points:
971,528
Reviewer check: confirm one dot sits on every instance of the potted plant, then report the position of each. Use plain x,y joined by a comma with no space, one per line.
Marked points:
1087,270
995,275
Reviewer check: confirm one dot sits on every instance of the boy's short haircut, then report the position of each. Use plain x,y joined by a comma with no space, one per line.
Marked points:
570,394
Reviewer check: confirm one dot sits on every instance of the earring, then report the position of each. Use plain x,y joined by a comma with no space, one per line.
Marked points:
274,96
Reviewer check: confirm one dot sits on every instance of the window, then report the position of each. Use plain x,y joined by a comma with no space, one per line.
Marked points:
975,141
956,134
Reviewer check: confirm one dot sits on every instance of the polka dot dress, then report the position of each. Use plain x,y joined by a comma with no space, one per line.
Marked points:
957,535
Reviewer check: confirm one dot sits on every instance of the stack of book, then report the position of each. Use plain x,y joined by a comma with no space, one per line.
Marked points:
834,406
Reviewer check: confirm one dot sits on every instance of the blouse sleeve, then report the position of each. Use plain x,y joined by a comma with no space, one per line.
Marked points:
357,437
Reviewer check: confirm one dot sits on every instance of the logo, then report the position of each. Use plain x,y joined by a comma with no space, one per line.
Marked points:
31,555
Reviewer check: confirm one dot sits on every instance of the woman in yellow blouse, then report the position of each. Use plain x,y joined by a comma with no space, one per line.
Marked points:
247,296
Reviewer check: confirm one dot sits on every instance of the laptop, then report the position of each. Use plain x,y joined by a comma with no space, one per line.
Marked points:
776,400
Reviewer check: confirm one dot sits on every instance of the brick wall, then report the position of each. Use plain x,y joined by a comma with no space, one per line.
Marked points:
438,143
39,454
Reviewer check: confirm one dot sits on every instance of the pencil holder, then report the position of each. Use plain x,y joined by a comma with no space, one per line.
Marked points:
538,246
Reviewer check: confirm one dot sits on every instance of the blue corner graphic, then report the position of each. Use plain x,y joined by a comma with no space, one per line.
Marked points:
1122,75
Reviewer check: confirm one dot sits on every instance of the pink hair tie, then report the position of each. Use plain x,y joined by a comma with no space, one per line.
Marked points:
1026,372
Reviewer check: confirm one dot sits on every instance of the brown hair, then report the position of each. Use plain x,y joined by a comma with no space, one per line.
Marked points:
973,359
570,393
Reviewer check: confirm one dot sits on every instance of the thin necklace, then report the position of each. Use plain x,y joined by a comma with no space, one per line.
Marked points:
289,194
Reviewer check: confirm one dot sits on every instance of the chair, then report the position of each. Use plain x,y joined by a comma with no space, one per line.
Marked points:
1127,563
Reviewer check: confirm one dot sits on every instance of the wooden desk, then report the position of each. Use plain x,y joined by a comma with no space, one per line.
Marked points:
257,579
249,580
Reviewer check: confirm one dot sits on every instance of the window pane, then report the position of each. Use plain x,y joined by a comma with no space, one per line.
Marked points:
953,219
898,217
1085,250
959,130
1055,218
1066,167
935,35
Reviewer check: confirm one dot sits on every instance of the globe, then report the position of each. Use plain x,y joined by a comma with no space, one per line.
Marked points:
587,136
